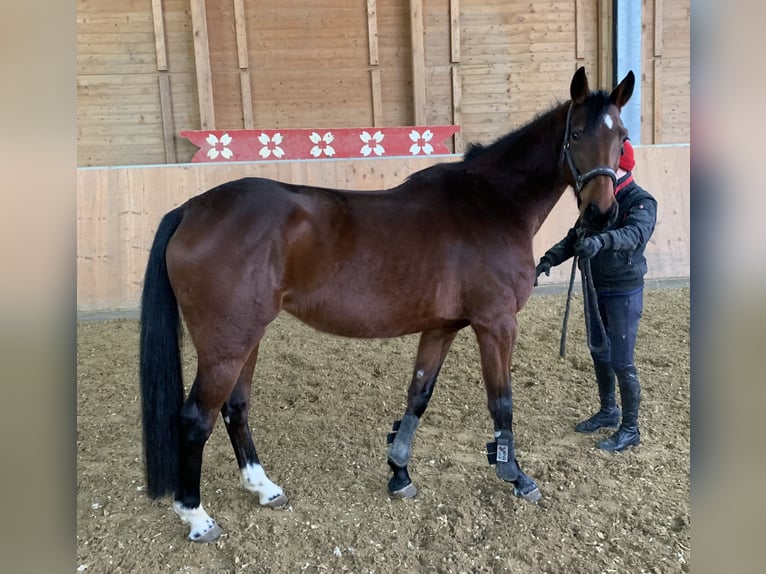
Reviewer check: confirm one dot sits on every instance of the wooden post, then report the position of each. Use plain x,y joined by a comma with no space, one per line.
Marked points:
457,81
454,21
159,35
202,64
457,108
579,31
418,62
375,82
605,43
658,48
244,71
166,102
658,9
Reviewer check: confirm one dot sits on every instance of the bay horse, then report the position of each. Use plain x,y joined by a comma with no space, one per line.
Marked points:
449,248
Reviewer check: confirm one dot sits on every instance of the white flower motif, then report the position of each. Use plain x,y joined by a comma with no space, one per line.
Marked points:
271,145
322,144
421,142
377,149
218,146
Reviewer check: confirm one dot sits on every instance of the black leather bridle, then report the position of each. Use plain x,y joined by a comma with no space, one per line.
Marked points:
582,178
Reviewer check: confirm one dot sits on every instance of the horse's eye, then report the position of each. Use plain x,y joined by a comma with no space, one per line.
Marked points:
576,136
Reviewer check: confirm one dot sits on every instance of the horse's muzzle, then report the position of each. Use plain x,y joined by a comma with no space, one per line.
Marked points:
596,220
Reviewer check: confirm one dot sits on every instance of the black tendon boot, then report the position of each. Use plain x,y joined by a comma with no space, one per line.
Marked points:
630,395
609,414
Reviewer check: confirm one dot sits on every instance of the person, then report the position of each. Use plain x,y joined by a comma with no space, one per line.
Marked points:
618,267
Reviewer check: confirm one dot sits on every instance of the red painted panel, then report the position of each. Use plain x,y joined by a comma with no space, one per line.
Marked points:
292,144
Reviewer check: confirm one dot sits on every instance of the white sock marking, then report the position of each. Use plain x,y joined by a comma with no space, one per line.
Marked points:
255,480
199,520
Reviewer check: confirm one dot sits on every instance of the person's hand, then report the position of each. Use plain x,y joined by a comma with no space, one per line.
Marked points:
587,247
543,267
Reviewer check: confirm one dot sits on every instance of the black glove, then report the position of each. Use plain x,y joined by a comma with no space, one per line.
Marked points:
587,247
543,267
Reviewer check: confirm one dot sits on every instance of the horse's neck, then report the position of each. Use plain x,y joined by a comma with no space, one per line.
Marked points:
527,169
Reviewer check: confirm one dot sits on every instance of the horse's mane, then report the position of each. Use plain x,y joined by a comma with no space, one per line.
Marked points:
596,105
501,161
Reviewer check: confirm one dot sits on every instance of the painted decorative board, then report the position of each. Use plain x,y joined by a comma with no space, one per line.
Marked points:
292,144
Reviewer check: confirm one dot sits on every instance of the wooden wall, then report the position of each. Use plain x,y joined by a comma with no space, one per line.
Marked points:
118,210
666,47
127,106
148,69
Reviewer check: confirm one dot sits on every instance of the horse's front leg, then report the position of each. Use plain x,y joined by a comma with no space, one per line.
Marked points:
496,342
432,350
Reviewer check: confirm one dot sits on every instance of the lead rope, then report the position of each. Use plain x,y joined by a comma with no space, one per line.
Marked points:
589,297
563,344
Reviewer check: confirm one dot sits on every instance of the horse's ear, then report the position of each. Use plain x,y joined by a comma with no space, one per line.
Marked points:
579,88
621,94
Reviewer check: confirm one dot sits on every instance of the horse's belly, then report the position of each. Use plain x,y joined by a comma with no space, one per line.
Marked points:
368,317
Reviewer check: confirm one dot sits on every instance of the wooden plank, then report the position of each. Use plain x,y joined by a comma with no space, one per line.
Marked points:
657,104
580,29
240,23
604,43
376,88
168,125
159,35
457,108
418,63
202,64
372,32
377,97
658,23
454,17
247,99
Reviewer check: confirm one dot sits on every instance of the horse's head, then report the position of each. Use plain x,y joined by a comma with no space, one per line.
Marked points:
593,139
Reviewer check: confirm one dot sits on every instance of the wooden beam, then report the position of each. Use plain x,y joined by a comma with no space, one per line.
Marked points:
240,21
376,88
202,64
658,9
457,108
239,26
657,128
454,19
168,125
247,100
579,29
605,60
166,101
372,31
159,35
418,62
377,97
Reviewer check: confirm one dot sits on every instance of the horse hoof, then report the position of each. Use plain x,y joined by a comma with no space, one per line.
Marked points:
210,536
277,502
526,488
532,496
408,491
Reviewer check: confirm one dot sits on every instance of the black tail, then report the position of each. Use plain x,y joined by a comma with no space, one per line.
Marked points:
162,392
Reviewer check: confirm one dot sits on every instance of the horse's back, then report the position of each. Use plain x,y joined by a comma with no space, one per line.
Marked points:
364,264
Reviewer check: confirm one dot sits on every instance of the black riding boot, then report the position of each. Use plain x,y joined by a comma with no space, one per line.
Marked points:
630,395
609,414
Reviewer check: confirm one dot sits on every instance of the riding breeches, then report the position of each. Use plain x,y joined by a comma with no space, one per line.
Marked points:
620,314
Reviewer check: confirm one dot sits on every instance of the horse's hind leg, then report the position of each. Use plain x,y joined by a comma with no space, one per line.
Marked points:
432,350
212,385
234,412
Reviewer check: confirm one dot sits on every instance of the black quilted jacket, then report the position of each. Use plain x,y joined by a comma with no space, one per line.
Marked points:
620,266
